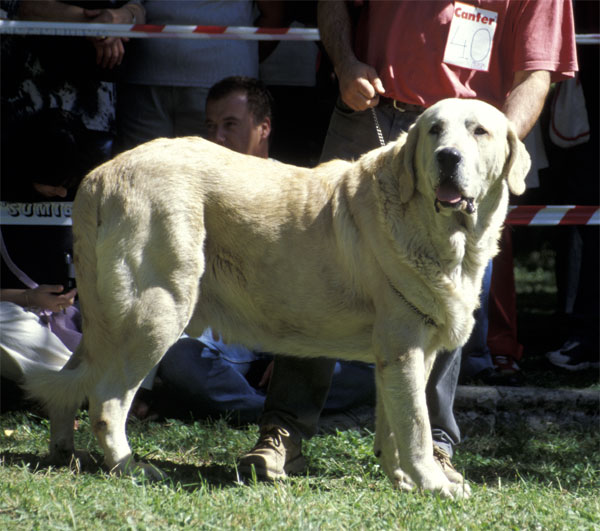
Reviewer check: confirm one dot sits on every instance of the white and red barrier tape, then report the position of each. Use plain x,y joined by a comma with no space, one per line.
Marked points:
77,29
59,214
553,215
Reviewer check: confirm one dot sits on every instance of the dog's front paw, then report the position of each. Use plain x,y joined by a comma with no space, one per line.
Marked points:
447,489
431,478
443,487
456,491
402,482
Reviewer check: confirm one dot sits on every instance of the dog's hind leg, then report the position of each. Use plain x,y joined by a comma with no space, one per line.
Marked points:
62,421
109,402
139,264
108,417
61,393
62,448
153,322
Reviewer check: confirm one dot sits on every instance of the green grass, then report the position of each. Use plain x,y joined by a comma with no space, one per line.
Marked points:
520,480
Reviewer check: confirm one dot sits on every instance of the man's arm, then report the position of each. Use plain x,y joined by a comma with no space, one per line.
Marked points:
360,85
525,102
52,10
109,51
271,15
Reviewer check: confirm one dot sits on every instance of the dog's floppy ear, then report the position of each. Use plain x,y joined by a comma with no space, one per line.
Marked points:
518,163
406,165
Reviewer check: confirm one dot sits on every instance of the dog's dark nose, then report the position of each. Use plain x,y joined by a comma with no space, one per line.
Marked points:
448,159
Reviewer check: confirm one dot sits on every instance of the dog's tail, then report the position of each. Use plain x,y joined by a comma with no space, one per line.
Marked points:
58,390
67,388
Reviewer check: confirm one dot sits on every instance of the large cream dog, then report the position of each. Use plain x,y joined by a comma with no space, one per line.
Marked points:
378,260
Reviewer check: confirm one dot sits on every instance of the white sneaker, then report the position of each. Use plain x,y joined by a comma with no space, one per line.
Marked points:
572,356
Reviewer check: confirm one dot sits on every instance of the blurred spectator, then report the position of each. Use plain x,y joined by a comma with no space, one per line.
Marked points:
30,335
573,179
69,73
42,159
300,77
164,82
46,155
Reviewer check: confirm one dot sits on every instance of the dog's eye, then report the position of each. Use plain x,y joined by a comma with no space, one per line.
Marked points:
480,131
435,130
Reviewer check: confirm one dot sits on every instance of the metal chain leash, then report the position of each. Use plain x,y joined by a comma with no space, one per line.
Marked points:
377,127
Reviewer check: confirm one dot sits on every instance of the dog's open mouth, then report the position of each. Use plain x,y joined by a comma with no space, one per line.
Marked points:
447,195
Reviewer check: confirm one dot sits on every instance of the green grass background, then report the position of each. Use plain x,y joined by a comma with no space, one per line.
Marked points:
521,480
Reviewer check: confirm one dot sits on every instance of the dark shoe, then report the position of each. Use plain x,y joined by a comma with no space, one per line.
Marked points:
275,455
494,377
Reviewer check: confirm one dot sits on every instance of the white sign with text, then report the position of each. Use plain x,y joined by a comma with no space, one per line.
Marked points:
471,37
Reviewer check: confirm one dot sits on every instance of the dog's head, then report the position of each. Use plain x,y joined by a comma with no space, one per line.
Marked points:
457,150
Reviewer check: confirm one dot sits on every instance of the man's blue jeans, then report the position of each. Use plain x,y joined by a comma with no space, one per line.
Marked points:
476,355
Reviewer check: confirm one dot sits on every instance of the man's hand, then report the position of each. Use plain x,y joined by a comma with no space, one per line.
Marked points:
109,50
360,86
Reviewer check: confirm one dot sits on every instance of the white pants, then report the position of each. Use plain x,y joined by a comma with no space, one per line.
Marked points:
25,342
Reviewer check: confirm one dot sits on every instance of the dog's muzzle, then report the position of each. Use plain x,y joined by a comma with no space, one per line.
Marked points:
448,193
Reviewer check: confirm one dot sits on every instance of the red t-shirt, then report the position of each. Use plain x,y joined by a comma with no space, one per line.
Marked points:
405,41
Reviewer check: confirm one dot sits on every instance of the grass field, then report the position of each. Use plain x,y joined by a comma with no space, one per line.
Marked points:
520,481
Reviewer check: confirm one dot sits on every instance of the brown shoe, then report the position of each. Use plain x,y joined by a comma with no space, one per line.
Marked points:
442,458
275,455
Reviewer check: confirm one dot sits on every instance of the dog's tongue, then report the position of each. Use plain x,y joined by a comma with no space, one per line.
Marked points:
447,193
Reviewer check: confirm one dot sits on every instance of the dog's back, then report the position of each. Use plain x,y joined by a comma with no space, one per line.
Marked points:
145,225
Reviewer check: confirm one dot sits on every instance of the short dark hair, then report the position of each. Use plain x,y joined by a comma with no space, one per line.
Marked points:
260,101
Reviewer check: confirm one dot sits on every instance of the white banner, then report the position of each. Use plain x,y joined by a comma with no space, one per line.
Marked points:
47,213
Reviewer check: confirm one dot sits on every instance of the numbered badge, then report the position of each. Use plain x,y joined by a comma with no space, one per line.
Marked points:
471,37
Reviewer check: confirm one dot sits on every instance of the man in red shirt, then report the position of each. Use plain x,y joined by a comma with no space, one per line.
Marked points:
399,58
